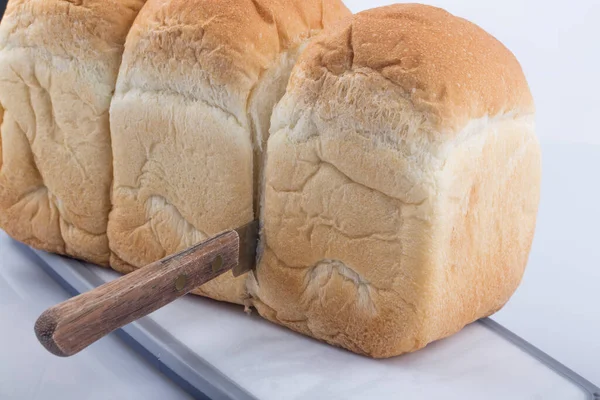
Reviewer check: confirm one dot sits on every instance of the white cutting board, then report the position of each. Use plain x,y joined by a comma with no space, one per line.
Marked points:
270,362
107,371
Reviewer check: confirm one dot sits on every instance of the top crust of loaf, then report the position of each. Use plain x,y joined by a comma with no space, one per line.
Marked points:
102,24
225,44
448,68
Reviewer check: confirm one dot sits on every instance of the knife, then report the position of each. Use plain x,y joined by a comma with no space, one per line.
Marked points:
69,327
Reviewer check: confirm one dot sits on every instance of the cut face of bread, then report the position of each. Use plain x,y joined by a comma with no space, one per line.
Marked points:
190,117
58,67
397,209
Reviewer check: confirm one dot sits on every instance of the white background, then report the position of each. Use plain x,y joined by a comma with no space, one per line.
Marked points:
557,307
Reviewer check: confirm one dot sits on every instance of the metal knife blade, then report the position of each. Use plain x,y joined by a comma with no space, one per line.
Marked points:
248,235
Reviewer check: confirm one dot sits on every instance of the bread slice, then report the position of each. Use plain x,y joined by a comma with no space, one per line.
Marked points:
402,183
58,67
190,117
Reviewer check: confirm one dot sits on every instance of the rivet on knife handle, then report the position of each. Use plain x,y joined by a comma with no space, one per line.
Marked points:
71,326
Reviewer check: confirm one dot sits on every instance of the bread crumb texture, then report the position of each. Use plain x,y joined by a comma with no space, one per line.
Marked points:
398,205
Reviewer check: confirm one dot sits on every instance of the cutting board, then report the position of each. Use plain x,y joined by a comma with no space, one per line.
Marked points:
214,350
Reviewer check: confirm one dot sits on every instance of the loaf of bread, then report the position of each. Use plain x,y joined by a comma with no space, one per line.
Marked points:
402,183
396,174
58,66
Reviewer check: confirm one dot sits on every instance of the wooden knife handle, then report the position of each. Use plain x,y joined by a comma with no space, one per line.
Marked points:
71,326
